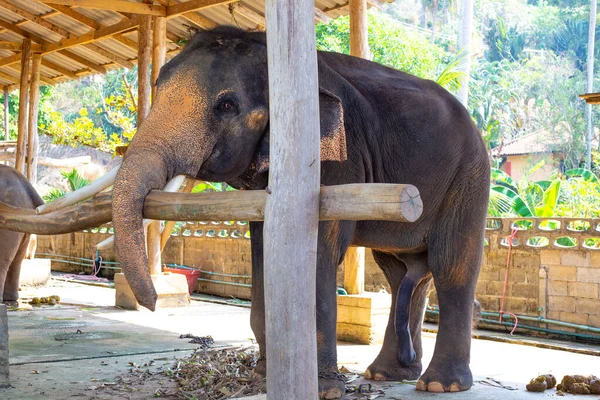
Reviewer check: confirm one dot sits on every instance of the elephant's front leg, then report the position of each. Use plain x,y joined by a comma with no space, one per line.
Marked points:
334,238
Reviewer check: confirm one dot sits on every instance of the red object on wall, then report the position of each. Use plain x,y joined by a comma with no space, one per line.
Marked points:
190,274
507,168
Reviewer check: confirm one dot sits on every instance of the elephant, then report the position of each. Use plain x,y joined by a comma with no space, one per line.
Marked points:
16,191
210,121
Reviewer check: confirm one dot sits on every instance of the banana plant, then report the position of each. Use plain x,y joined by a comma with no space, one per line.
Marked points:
524,198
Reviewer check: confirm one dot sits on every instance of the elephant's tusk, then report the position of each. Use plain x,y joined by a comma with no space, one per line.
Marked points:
86,192
172,186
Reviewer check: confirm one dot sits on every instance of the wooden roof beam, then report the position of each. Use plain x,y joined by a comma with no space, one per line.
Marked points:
16,46
115,5
199,20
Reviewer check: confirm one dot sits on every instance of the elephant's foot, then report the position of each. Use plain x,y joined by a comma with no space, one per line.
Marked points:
448,376
260,371
331,385
391,370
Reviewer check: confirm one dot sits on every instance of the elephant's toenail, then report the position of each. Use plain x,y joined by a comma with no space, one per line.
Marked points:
435,387
421,385
379,377
368,374
454,387
332,394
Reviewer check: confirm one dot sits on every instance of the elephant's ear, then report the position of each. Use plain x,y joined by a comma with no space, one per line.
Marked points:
333,134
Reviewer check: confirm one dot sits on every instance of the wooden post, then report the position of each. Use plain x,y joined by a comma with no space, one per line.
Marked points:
23,106
359,29
354,261
354,270
144,58
6,132
159,49
292,211
144,91
34,100
4,381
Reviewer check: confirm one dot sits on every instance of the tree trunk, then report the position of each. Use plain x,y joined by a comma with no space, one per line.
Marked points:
464,44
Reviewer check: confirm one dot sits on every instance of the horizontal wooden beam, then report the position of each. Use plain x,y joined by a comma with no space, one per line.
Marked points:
59,69
16,46
250,15
115,5
371,201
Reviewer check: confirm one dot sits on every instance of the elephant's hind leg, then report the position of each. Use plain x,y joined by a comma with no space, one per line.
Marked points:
455,251
11,286
11,244
387,365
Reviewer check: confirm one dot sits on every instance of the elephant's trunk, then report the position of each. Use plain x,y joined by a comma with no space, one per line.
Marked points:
141,172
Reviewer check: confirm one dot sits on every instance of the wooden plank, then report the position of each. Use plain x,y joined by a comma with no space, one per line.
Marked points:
115,5
374,3
359,39
354,270
159,49
292,210
32,131
591,98
243,205
6,131
23,106
194,5
144,76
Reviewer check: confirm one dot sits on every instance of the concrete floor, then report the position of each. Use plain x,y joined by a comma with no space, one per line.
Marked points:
71,350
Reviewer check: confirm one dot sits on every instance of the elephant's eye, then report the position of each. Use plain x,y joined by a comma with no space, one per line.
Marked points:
227,105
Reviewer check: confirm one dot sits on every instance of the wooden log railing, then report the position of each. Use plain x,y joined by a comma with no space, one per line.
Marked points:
389,202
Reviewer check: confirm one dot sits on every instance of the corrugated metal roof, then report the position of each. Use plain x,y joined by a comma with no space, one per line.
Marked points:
49,24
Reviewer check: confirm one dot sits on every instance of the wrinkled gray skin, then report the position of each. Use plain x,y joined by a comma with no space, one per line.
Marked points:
210,120
15,190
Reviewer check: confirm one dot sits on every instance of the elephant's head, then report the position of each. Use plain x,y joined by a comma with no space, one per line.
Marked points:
210,121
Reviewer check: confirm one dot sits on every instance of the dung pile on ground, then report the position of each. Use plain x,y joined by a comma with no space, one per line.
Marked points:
212,374
579,384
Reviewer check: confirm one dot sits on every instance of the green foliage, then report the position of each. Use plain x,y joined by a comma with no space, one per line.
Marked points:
74,181
505,42
112,122
577,194
391,45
